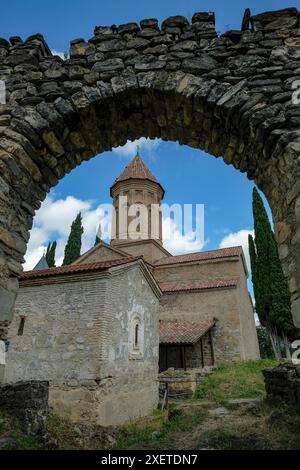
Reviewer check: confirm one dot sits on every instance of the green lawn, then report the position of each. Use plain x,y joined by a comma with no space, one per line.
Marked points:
232,381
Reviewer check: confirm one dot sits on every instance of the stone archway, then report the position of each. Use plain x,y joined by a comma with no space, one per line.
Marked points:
230,96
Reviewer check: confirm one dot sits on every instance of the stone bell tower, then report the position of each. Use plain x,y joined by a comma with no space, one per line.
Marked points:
137,217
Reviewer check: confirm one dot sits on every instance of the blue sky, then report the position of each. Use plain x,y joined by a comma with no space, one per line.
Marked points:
188,175
61,21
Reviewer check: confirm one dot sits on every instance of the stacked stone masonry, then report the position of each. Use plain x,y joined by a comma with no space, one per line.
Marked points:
283,385
232,95
79,337
28,402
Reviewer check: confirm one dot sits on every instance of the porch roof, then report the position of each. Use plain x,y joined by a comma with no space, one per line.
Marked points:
183,332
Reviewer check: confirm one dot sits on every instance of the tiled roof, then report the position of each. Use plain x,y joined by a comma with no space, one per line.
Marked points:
183,332
200,256
77,268
42,264
138,170
96,247
183,286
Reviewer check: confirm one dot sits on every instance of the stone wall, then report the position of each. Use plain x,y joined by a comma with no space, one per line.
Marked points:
78,335
193,355
182,382
283,385
235,332
62,330
219,303
28,402
200,270
99,253
140,192
249,340
231,95
151,250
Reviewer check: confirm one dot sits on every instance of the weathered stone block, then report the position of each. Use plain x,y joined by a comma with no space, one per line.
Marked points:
28,402
202,64
204,16
7,300
174,21
149,23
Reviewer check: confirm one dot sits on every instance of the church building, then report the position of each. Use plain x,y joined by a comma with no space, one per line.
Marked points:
102,328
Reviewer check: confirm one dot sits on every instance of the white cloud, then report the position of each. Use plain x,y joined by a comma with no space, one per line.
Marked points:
180,243
238,238
33,255
62,55
53,221
147,147
57,216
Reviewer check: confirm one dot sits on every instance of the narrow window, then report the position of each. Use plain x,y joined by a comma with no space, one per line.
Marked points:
21,326
136,336
138,228
149,222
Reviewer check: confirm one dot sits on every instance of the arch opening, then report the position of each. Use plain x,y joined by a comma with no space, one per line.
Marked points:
218,94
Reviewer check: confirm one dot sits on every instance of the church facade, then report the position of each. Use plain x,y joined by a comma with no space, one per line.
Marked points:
100,329
205,291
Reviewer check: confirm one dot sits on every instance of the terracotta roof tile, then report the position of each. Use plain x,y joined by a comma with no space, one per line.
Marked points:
138,170
77,268
183,332
183,286
200,256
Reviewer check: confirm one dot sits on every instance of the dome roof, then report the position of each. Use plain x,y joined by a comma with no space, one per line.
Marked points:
136,169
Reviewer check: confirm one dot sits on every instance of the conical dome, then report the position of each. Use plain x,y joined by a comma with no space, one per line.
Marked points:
136,170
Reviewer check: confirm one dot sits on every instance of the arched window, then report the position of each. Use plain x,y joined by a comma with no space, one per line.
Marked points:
21,326
136,336
149,222
117,223
138,215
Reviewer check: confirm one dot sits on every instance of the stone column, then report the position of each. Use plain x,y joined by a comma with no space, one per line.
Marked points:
283,193
2,359
19,198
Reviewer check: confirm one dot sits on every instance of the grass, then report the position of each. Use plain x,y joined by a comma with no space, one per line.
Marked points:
188,424
62,434
234,381
13,438
191,426
266,429
166,433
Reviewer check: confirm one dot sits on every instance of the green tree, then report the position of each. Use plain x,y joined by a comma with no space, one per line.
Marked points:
97,240
73,246
264,341
50,254
272,297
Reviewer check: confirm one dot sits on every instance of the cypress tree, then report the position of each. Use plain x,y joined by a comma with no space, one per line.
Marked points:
272,297
73,246
97,240
47,253
50,254
265,345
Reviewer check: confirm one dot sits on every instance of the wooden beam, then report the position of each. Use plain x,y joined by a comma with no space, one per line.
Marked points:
202,355
212,348
167,357
181,357
184,357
